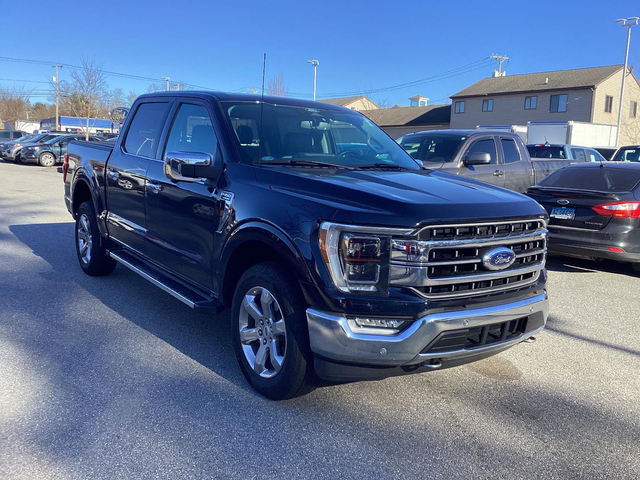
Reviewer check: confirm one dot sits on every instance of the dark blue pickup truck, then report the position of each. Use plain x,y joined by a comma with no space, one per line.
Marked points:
340,258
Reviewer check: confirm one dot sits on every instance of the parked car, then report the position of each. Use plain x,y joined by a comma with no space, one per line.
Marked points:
498,158
8,135
51,151
342,263
12,151
24,138
565,152
606,152
630,153
594,211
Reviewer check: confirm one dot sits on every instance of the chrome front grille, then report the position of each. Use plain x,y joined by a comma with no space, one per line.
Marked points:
447,261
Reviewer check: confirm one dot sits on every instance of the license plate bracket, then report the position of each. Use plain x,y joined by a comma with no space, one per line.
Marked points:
563,213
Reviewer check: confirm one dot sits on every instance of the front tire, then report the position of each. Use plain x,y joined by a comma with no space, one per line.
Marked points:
47,159
90,246
270,334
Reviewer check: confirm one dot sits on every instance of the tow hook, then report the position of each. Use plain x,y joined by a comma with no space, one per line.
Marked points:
530,340
434,364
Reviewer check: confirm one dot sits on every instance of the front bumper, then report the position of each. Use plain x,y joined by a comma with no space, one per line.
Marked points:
334,343
29,155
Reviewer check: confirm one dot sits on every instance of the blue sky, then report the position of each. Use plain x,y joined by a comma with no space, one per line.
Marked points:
361,46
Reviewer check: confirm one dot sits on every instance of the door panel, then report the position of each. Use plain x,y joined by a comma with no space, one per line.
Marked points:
518,172
492,173
126,175
182,216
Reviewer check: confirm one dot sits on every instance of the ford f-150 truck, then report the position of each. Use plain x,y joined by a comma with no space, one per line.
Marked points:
498,158
340,258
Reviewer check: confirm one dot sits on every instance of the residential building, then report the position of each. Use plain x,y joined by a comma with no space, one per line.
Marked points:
418,101
358,103
75,124
400,121
584,94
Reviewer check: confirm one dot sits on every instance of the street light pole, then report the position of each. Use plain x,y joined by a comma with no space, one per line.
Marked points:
625,22
315,64
166,79
57,80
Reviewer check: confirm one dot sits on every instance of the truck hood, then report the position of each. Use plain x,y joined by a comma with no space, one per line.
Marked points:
399,198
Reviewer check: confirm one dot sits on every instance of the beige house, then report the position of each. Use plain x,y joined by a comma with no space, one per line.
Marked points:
354,103
584,94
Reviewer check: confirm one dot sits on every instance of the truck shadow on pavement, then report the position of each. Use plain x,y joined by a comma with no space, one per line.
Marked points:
118,386
578,265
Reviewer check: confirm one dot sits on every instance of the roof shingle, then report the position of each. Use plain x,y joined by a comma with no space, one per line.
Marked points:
429,115
531,82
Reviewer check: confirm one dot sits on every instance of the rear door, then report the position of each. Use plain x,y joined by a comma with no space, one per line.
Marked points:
492,173
126,173
183,216
518,171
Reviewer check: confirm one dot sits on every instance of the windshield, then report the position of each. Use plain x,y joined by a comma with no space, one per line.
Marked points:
435,148
295,134
25,138
53,139
605,179
628,155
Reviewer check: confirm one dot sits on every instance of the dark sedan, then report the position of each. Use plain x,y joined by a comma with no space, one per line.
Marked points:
594,211
52,151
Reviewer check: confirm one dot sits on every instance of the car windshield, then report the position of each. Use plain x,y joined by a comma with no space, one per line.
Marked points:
545,151
25,138
435,148
54,139
601,179
628,155
303,135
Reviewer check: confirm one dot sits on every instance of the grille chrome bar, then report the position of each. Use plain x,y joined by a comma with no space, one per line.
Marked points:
449,264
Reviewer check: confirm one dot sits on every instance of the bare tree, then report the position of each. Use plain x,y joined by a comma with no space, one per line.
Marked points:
131,98
14,104
173,86
630,125
86,95
40,111
276,86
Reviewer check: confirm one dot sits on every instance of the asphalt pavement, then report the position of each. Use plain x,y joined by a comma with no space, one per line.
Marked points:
111,378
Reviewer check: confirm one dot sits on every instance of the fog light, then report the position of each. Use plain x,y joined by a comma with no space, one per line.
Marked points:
376,326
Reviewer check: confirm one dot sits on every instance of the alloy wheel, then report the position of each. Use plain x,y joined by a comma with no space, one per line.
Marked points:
47,160
85,240
262,332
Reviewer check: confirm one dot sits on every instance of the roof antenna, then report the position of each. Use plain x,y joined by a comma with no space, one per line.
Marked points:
264,66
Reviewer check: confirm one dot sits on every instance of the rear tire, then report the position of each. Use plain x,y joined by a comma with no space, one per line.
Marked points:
90,246
270,334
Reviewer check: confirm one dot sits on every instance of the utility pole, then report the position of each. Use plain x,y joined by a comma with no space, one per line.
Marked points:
166,79
625,22
315,64
57,80
500,59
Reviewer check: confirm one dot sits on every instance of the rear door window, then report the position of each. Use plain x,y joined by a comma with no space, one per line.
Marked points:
578,154
605,179
510,150
595,156
145,129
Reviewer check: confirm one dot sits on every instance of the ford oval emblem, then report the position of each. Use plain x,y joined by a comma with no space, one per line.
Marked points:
563,201
498,258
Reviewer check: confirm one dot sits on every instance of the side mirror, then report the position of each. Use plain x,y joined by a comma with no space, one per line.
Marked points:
477,158
419,162
189,166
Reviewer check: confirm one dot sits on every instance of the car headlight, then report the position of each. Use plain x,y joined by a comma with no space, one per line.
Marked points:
36,148
358,257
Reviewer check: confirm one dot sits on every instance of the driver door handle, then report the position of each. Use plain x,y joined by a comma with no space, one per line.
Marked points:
498,173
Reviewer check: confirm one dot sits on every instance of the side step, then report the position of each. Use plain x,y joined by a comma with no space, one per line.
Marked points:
197,300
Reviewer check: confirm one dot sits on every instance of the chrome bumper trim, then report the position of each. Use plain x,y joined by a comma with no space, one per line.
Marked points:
332,337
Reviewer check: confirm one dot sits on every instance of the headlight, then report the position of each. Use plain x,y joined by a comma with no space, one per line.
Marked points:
36,148
358,257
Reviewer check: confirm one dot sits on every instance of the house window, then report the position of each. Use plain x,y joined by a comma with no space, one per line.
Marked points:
633,109
459,107
608,104
422,103
487,105
414,103
530,103
558,103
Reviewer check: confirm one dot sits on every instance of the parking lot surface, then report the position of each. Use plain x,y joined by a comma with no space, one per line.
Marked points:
109,378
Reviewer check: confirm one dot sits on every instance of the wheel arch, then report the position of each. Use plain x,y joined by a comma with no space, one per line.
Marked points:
254,243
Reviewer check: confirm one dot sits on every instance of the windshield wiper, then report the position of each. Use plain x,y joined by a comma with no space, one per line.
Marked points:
306,163
390,166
